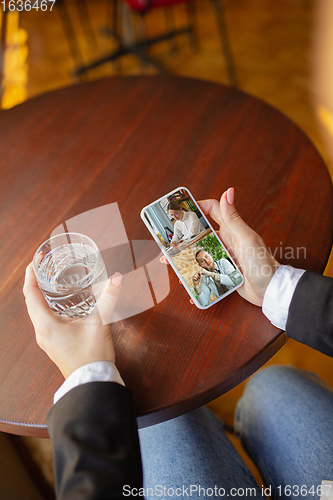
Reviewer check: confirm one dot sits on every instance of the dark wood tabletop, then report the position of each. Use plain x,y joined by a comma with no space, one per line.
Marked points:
130,140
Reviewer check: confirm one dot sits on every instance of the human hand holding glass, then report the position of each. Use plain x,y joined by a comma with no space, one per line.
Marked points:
70,273
72,343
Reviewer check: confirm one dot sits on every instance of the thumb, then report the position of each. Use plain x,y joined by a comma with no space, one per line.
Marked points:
108,300
231,218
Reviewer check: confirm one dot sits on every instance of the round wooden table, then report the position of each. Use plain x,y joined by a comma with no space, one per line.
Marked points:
129,141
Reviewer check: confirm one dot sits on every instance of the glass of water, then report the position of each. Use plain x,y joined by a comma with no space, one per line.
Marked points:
70,273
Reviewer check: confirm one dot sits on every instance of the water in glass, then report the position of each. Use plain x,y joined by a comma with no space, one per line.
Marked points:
71,276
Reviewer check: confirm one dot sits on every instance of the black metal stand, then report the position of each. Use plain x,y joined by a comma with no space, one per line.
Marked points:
69,32
113,15
192,21
139,49
170,26
219,11
87,26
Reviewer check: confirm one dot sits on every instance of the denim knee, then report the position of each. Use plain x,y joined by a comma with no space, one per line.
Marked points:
272,392
284,423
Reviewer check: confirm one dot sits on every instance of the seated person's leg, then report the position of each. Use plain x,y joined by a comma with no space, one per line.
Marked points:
193,450
284,420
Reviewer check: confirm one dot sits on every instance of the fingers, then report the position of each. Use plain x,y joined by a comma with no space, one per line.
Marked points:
211,208
108,300
29,280
231,218
39,257
225,212
36,304
231,196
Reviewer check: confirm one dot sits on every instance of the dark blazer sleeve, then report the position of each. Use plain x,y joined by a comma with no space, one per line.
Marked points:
95,440
310,318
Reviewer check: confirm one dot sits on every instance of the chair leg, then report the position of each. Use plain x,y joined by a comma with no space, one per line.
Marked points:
70,33
3,37
170,26
113,17
218,7
192,21
111,30
141,42
87,26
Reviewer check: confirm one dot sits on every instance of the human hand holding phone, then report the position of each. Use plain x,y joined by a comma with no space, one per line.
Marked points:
245,246
201,252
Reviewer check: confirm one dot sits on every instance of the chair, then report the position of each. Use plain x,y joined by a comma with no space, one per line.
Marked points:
82,10
139,47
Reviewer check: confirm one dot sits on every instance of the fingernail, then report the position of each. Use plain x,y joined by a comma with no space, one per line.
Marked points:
116,279
230,196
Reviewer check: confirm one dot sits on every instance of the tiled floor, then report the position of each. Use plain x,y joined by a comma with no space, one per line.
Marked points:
271,44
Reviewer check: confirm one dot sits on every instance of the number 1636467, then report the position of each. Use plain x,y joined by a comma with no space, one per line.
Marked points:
27,5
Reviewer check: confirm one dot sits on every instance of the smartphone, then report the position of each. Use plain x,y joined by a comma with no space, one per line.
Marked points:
192,247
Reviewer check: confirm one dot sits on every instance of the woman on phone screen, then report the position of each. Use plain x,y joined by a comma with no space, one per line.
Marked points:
187,223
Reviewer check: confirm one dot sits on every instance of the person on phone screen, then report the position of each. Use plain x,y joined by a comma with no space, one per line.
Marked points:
187,223
213,277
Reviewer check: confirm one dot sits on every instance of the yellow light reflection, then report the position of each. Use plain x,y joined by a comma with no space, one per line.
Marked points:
16,65
325,117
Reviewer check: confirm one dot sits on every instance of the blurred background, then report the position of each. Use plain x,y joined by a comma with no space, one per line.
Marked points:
263,47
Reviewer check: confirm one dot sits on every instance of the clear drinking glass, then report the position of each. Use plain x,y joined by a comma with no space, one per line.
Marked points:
70,273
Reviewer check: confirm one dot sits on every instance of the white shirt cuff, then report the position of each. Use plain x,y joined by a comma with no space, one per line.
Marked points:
99,371
279,293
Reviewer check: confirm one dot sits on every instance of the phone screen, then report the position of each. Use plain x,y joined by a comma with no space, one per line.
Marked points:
192,247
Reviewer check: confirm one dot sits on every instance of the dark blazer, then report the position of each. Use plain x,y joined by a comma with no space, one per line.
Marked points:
310,317
95,442
93,427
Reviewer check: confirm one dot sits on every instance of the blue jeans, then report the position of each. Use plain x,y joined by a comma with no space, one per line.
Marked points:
285,423
284,420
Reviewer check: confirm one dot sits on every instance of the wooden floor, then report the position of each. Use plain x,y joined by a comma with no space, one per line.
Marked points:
271,44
